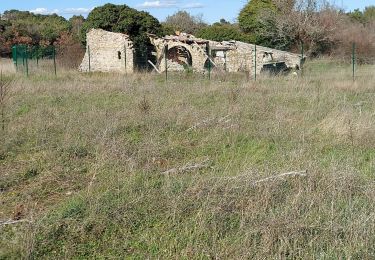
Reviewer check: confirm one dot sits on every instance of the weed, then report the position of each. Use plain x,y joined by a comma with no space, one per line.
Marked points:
144,105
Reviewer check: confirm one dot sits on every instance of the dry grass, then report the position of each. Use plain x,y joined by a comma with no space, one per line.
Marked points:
88,159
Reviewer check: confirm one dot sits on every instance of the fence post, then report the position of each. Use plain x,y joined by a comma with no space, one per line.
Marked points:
225,61
88,50
209,61
16,56
255,62
37,57
302,56
166,62
125,58
23,57
54,60
353,60
27,63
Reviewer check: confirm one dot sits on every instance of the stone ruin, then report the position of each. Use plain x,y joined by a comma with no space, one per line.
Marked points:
108,52
114,52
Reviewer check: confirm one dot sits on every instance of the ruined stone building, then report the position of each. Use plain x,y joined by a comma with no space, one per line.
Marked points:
107,51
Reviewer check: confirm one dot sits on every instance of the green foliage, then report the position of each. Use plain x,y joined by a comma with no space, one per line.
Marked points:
167,29
369,13
366,16
185,22
357,15
37,27
75,24
252,16
224,32
121,18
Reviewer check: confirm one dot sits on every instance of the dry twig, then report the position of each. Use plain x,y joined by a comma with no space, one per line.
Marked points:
11,222
189,167
282,176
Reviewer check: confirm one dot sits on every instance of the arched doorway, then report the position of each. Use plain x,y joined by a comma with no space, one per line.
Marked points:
181,56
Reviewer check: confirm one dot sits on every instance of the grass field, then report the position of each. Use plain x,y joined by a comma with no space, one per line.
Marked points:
108,166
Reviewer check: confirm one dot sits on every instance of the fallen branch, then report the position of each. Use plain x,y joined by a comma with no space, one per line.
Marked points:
245,177
188,167
11,222
206,122
281,176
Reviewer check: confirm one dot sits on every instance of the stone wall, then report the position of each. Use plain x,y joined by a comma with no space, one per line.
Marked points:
240,57
197,52
107,52
233,56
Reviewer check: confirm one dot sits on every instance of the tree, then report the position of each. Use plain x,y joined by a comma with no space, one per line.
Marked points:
76,23
183,21
357,15
123,19
369,14
224,32
311,22
257,18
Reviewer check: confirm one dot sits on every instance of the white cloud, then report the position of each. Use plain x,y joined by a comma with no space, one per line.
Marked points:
158,4
42,10
79,10
192,5
169,4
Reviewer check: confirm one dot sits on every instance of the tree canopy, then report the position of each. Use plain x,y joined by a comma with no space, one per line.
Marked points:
185,22
224,31
121,18
257,18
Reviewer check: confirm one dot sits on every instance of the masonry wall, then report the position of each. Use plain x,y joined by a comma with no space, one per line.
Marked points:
107,52
241,58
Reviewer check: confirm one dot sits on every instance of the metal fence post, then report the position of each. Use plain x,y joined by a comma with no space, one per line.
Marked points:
23,57
88,50
16,56
225,60
54,60
255,62
302,56
125,58
27,63
209,61
37,57
353,60
166,61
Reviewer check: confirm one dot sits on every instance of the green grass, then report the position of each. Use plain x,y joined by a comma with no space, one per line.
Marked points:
85,157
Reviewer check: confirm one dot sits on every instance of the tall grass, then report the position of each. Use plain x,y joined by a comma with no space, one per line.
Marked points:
114,166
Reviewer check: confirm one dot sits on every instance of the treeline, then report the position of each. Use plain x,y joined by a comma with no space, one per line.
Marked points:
284,24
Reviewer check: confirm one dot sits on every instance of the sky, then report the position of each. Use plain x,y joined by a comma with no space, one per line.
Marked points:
211,10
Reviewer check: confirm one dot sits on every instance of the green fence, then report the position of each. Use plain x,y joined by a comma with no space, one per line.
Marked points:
27,58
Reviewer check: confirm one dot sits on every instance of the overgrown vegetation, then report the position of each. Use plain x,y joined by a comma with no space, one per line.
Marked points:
5,83
134,167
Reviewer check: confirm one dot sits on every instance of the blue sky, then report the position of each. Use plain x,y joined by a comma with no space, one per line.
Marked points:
212,10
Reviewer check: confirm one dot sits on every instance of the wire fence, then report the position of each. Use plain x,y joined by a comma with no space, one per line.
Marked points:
31,60
27,59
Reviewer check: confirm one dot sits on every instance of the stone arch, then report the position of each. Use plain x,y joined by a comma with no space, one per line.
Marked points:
198,58
180,55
